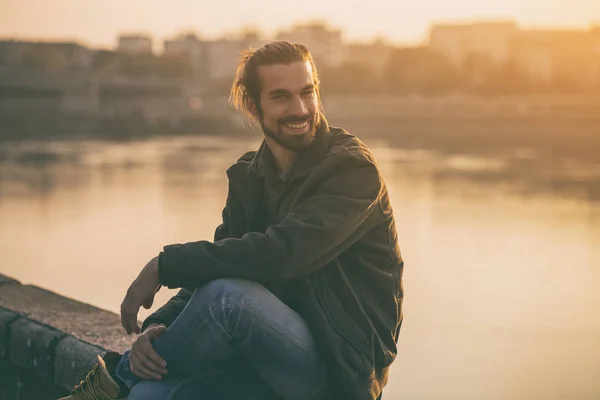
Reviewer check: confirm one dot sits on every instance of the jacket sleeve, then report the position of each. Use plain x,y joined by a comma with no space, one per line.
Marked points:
314,233
222,230
169,312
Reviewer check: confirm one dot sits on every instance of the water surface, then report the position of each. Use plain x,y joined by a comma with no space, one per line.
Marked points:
502,254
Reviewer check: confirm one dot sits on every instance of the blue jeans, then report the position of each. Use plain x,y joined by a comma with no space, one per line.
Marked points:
233,340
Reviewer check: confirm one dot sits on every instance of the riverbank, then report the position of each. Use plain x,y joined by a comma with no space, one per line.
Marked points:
553,137
124,127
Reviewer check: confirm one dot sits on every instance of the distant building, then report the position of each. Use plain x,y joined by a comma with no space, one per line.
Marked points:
188,45
222,55
458,42
192,49
325,44
213,60
134,44
559,55
567,56
533,58
373,55
55,56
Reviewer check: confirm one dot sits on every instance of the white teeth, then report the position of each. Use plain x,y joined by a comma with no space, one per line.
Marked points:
297,126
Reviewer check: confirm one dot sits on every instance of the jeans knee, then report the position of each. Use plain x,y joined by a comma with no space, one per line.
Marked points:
226,290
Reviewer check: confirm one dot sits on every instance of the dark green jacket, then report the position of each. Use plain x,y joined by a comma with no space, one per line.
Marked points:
334,248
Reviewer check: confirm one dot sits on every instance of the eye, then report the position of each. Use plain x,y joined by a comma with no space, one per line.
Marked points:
279,97
308,92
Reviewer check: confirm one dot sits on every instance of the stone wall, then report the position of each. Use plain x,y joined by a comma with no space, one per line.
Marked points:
48,343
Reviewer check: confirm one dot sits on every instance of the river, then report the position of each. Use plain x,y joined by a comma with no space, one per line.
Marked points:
502,252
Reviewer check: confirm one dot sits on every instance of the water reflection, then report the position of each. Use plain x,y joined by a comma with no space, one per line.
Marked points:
502,251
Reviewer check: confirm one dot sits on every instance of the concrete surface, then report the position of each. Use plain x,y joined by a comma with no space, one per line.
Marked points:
48,343
90,324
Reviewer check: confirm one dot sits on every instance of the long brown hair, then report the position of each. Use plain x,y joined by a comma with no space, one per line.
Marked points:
246,84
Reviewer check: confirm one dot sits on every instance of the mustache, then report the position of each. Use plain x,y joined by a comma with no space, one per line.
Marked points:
295,119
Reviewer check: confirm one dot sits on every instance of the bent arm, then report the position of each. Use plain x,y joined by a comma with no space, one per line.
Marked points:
312,235
171,310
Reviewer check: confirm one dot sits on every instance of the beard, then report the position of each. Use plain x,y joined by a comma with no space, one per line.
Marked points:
289,141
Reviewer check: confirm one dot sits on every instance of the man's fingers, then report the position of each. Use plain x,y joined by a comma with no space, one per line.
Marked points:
150,300
148,303
124,324
153,357
123,316
156,332
125,320
131,322
139,370
126,313
150,368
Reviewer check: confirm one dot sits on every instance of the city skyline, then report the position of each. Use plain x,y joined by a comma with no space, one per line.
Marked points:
98,25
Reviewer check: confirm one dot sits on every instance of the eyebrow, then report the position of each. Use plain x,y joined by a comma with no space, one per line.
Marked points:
283,91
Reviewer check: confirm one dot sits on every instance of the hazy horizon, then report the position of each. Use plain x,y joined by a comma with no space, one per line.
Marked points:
98,24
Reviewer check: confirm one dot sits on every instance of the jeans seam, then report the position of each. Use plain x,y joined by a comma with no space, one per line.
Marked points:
203,317
206,314
253,307
249,306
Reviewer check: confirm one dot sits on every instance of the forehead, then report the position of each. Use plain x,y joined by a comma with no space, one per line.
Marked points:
290,77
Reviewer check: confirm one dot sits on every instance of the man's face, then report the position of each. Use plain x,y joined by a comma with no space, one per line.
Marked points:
288,109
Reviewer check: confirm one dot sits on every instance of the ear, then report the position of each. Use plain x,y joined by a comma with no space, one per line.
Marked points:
252,107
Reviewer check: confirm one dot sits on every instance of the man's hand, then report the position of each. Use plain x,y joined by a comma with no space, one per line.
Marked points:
141,292
144,362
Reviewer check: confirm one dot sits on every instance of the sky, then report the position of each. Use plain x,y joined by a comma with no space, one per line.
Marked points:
98,22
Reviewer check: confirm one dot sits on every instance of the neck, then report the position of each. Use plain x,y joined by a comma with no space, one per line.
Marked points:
283,157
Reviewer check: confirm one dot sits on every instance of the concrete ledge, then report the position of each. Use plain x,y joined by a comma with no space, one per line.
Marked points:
32,347
7,317
48,343
7,280
87,323
73,360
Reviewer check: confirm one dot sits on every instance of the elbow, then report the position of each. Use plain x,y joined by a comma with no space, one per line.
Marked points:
280,269
289,268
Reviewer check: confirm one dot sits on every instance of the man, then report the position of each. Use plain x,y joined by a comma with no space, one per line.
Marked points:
299,296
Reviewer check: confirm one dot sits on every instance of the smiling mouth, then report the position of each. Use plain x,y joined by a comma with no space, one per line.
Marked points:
297,125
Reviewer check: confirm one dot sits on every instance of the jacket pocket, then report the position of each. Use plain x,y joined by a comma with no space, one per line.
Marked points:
359,352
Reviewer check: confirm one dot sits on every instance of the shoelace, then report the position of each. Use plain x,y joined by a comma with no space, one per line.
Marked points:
90,389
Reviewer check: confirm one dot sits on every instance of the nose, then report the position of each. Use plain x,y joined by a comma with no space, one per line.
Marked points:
298,106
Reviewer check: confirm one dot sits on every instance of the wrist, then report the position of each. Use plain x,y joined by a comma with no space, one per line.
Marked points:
159,266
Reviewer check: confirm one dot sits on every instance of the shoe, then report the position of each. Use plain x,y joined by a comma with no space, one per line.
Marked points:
99,384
